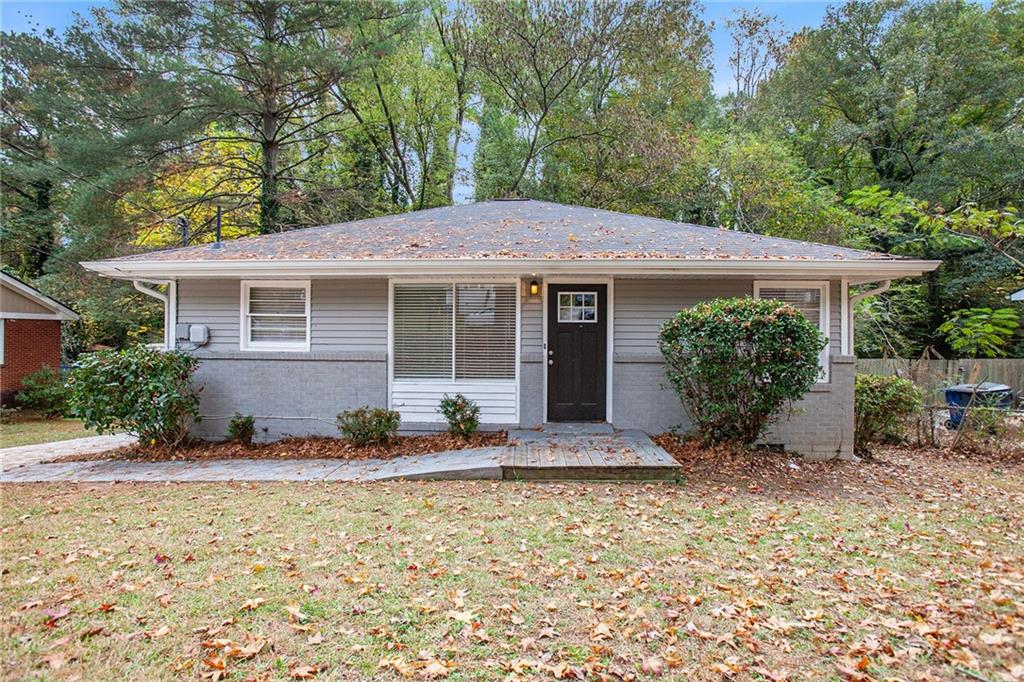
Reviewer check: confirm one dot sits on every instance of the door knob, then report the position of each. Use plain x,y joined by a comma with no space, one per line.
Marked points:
551,362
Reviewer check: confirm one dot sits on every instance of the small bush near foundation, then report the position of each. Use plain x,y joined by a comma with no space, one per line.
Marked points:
241,428
369,425
146,392
44,390
735,363
882,406
462,414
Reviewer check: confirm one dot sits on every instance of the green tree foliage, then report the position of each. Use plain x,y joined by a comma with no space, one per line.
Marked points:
914,96
980,332
735,363
291,114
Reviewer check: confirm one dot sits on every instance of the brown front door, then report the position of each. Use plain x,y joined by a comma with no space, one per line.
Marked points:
577,359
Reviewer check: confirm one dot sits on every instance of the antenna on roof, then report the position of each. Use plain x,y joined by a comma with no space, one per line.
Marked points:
183,225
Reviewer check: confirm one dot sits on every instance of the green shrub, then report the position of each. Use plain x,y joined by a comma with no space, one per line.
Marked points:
44,390
242,428
146,392
462,414
736,362
369,425
881,407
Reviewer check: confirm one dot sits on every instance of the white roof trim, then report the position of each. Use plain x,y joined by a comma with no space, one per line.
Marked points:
859,272
60,311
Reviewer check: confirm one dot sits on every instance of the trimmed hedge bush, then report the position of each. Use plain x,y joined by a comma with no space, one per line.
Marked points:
462,414
735,362
145,392
45,391
369,425
881,407
242,428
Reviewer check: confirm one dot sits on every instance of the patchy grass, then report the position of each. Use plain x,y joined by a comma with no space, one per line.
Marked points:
921,579
28,427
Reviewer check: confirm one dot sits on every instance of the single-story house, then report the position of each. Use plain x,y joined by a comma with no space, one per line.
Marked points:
539,312
29,333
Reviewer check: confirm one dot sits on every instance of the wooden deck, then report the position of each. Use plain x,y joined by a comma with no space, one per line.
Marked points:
621,455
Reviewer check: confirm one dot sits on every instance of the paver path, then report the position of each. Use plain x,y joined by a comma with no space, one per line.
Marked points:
626,455
11,458
477,463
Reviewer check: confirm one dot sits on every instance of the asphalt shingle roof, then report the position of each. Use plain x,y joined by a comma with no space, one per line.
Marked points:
511,229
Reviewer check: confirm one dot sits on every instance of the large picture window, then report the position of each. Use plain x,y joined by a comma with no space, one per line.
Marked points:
811,299
453,332
275,315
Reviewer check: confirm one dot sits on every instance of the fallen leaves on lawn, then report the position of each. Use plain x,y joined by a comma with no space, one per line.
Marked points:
758,567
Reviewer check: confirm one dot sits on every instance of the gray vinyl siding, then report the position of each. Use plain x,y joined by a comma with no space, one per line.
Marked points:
348,315
213,302
641,305
531,320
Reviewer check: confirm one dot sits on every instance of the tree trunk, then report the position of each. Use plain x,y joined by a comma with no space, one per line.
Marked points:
40,248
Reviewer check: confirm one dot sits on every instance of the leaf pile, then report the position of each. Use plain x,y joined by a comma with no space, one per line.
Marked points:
300,448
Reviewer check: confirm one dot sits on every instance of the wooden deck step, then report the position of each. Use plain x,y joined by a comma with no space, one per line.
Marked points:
617,456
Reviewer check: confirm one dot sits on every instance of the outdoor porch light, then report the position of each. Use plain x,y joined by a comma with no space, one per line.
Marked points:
534,288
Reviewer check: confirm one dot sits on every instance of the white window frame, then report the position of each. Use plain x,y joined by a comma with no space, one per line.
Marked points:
825,314
558,307
513,384
245,343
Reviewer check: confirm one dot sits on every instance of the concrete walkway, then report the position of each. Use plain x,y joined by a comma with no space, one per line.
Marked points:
12,458
477,463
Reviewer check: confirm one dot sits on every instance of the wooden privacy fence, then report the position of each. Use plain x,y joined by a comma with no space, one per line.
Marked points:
938,373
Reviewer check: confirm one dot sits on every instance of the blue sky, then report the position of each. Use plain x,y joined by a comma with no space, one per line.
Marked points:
24,16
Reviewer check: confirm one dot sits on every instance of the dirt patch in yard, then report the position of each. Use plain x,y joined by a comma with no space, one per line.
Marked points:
300,448
892,471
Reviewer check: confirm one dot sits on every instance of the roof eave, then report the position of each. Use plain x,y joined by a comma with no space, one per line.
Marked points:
60,311
859,271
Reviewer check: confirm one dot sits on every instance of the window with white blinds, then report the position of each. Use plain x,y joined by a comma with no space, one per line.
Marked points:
810,298
275,315
454,332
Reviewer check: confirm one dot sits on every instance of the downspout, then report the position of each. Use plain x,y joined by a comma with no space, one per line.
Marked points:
880,289
163,298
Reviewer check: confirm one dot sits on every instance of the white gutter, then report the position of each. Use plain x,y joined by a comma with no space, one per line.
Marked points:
880,289
858,272
163,298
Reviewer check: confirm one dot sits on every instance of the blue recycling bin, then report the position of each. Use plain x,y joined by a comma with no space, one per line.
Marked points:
985,394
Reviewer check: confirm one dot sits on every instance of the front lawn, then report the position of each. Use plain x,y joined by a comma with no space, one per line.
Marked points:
911,568
28,427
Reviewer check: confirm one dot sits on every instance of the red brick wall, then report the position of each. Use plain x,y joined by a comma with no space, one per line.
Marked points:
28,345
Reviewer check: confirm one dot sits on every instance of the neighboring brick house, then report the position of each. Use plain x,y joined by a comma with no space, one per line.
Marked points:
536,311
29,333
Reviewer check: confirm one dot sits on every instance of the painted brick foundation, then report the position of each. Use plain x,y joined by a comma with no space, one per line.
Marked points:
28,345
288,394
820,426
